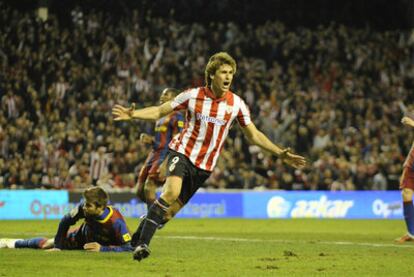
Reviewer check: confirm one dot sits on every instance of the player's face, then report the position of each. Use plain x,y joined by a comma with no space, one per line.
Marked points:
90,209
221,80
165,96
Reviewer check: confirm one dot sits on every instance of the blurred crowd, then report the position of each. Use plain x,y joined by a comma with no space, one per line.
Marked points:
334,93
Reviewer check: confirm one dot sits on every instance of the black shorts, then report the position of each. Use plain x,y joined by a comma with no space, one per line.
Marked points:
193,177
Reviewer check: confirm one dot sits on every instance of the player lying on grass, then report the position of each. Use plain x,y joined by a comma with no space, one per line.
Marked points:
407,188
103,230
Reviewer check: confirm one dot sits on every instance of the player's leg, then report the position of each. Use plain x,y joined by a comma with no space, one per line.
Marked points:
150,189
8,242
77,237
142,177
183,181
149,194
154,177
156,214
172,211
35,243
407,189
178,169
148,180
50,243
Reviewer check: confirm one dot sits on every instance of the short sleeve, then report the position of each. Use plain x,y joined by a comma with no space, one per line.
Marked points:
122,231
180,102
243,116
178,122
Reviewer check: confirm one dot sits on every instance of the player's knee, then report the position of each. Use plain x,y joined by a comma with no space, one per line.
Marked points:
47,244
170,195
407,194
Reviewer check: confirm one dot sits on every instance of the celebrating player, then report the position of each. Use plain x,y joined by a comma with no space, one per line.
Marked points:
210,112
103,230
407,188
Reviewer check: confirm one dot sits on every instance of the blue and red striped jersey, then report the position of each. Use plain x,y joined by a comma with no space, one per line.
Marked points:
109,229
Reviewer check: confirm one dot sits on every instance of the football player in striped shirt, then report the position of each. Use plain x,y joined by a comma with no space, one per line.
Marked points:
210,112
103,230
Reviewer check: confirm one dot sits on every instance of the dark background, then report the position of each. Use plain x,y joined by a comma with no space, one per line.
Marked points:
376,14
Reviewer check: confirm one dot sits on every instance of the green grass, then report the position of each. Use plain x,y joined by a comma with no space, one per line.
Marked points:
228,247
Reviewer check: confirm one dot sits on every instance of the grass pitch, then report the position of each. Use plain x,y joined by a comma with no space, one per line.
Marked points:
228,247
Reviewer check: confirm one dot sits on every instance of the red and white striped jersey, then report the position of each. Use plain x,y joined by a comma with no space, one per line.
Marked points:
208,121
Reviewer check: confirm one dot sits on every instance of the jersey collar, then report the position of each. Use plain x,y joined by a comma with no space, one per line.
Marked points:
210,94
106,215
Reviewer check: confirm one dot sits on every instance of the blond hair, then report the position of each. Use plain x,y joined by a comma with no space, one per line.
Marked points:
215,62
96,195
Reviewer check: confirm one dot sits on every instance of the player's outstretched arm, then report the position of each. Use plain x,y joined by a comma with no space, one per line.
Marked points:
258,138
150,113
407,121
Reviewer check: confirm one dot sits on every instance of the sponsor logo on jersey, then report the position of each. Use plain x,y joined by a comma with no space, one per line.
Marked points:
210,119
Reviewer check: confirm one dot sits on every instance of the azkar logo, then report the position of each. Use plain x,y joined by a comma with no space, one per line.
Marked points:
279,207
210,119
322,208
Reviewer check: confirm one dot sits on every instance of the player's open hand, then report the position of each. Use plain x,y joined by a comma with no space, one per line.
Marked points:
292,159
122,113
407,121
145,138
92,246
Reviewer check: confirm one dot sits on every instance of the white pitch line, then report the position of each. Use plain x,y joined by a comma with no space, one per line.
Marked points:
346,243
288,241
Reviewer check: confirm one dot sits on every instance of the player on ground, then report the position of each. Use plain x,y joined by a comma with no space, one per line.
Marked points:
407,188
104,228
150,176
210,112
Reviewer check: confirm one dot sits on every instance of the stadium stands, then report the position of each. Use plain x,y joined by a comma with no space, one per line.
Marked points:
333,92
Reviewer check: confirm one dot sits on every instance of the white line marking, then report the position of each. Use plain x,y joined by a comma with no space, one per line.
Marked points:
288,241
410,245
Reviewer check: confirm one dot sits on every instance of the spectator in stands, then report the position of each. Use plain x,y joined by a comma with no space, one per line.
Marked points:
353,83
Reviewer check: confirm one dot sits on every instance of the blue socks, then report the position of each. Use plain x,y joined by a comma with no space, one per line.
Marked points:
30,243
408,209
